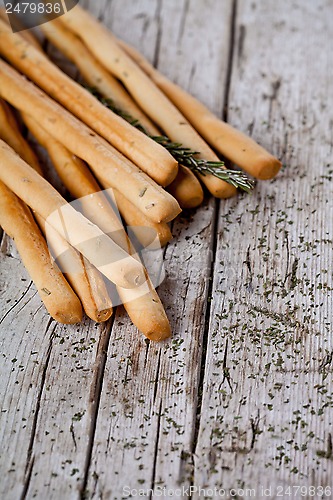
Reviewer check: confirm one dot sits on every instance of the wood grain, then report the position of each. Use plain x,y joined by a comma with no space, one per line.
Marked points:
241,397
266,418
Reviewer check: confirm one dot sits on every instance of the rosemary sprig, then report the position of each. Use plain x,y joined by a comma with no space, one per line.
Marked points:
184,156
187,158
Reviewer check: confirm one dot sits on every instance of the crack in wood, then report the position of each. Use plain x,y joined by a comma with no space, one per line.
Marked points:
95,396
275,86
192,75
157,376
241,40
17,303
232,45
153,478
185,294
183,21
30,457
28,473
159,33
293,274
248,264
147,344
288,257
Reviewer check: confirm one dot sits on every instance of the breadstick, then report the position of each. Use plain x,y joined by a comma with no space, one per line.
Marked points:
79,181
58,297
42,198
233,144
72,171
77,178
145,309
10,133
85,280
144,306
25,33
93,72
106,162
144,229
153,102
143,151
186,189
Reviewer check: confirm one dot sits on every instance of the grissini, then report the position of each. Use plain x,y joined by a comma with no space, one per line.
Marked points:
143,305
58,297
10,133
93,72
25,33
41,197
80,182
186,189
72,171
143,151
144,91
230,142
106,162
85,280
144,229
145,309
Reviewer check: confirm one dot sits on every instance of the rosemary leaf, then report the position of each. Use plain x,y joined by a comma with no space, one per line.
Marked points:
184,156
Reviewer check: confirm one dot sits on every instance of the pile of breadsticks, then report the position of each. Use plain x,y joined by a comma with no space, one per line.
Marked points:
92,147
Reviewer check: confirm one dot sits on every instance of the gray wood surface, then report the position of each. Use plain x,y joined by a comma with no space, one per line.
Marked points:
241,397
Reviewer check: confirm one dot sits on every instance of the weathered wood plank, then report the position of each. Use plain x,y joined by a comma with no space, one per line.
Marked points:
266,414
21,367
49,381
50,396
146,422
67,414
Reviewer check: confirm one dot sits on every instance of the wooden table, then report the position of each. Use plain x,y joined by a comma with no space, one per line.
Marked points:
241,397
